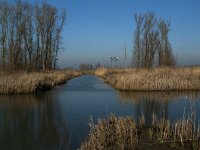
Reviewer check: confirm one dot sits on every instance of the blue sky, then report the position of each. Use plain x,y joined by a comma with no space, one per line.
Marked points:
95,30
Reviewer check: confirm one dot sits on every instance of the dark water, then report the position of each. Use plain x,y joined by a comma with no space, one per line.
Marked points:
58,119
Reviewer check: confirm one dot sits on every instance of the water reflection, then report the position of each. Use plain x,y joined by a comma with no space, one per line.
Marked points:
58,119
31,122
157,103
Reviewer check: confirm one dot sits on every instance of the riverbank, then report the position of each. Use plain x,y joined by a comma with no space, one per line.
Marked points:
33,82
123,133
154,79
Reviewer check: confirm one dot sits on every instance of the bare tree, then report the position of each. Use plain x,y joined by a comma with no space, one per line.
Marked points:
30,35
4,15
151,39
165,55
49,26
138,51
57,38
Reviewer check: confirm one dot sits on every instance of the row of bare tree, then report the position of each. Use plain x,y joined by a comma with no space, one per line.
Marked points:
30,35
151,42
89,66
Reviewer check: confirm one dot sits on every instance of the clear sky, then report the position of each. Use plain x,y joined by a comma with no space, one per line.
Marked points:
95,30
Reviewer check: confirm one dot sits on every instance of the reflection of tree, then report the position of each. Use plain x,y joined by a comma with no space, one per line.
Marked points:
128,96
150,107
30,121
153,103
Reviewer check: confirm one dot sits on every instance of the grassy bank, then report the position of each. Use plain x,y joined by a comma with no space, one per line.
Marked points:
152,79
23,82
122,133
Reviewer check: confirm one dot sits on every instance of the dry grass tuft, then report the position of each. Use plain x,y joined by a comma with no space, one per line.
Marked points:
101,72
121,133
114,133
153,79
23,82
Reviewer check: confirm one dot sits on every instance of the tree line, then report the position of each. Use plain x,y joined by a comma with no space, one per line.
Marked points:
30,35
151,42
89,66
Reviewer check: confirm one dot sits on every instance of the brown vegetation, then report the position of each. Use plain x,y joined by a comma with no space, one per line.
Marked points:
30,35
123,133
24,82
114,133
187,78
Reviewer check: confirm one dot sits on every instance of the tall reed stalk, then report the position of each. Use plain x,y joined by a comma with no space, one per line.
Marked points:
123,133
162,79
24,82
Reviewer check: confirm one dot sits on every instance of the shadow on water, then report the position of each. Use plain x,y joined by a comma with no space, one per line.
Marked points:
58,119
163,104
31,122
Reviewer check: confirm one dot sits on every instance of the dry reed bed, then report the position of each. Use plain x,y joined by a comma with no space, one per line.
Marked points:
187,78
121,133
23,82
114,133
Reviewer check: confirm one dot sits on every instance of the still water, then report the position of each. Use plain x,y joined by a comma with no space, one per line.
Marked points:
58,119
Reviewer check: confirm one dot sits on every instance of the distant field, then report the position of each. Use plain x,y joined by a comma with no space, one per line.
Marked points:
185,78
24,82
